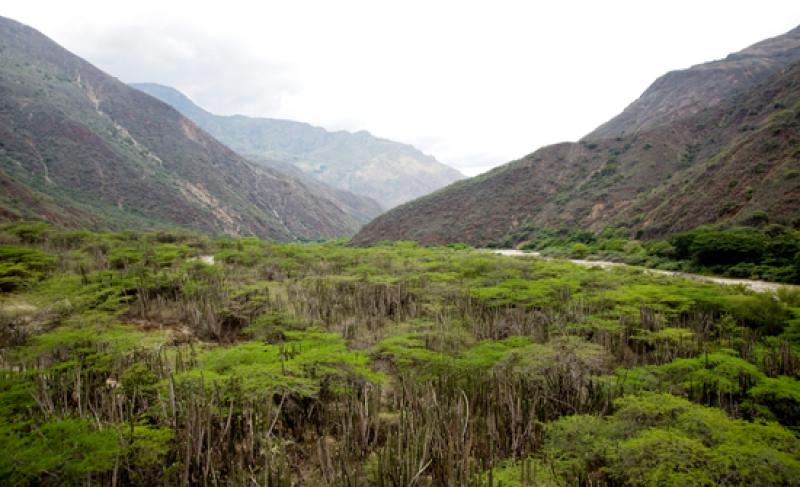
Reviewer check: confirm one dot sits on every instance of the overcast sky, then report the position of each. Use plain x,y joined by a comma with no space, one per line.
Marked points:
475,84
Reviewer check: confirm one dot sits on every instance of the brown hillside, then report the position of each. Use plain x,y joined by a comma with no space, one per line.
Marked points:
87,144
682,93
721,164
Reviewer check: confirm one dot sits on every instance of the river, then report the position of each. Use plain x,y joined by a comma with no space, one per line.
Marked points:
753,285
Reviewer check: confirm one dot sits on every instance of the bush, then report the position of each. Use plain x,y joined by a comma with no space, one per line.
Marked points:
21,267
579,250
68,449
759,311
781,396
663,457
29,232
660,248
726,248
743,270
578,444
756,219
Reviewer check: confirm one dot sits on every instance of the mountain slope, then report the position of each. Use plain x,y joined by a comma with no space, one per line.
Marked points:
725,163
389,172
362,208
681,93
78,146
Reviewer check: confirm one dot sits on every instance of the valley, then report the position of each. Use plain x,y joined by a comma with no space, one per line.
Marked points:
195,299
378,169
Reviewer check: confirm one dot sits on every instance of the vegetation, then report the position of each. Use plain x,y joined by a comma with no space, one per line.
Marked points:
768,252
135,359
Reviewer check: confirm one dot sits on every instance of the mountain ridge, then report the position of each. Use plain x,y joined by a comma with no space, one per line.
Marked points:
78,142
725,162
387,171
684,92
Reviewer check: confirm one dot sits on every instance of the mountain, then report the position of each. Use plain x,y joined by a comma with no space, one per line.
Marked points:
727,159
362,208
79,147
389,172
678,94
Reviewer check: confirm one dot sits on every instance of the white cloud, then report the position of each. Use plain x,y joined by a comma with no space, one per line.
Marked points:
474,83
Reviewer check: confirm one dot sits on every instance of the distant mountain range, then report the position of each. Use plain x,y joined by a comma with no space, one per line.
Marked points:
80,148
718,142
386,171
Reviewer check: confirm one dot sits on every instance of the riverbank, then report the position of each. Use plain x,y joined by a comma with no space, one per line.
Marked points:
751,284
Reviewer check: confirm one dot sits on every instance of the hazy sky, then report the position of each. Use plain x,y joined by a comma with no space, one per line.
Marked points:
476,84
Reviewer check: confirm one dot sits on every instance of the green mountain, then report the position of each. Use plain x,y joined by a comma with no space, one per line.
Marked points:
728,156
78,147
387,171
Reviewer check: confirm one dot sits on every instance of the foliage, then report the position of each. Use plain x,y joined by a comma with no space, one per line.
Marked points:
759,311
141,364
660,439
21,267
299,365
780,398
59,451
770,252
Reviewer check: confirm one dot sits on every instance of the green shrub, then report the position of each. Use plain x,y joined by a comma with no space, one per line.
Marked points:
71,450
759,311
577,445
29,232
579,250
662,457
21,267
148,453
781,396
726,248
300,365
